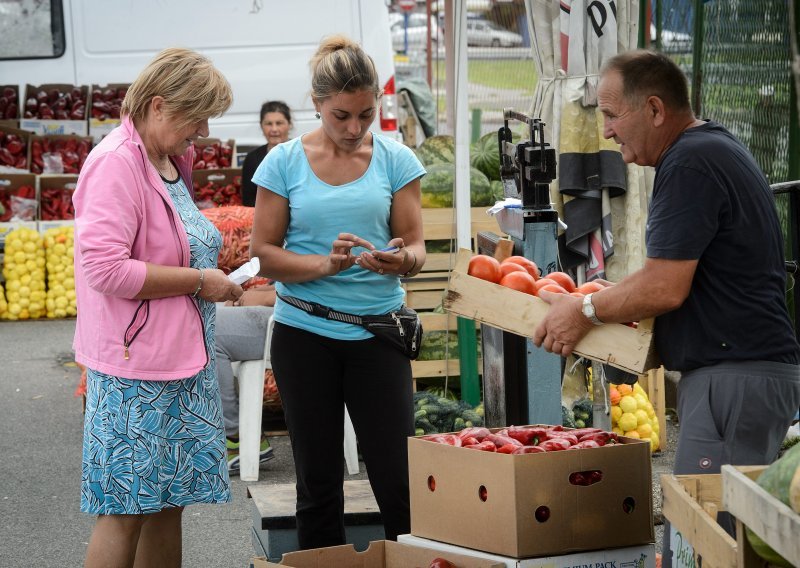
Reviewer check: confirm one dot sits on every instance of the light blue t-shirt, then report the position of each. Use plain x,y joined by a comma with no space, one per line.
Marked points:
318,212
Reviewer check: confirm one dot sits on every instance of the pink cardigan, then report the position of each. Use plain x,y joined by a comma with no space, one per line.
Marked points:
123,219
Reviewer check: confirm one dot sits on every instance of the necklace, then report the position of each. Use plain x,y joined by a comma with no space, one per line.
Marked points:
166,170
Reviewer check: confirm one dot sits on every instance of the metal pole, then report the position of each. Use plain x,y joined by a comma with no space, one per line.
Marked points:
697,60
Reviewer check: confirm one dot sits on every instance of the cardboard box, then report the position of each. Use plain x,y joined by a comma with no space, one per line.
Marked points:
380,554
46,127
768,517
55,199
525,505
15,199
691,504
642,556
101,122
25,137
225,153
219,178
57,143
626,348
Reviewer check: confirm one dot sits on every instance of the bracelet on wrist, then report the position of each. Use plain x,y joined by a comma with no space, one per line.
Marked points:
413,265
199,285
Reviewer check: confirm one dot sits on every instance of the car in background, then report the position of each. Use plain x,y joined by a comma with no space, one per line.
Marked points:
672,42
486,33
417,32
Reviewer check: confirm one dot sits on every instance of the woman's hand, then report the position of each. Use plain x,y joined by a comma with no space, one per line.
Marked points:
341,256
217,287
393,263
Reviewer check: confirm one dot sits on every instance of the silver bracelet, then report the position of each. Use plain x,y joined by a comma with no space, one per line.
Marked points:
199,285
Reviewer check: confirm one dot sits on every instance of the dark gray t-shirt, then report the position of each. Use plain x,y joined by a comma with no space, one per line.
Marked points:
711,202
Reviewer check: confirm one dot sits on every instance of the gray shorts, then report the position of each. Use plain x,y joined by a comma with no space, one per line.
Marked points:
734,413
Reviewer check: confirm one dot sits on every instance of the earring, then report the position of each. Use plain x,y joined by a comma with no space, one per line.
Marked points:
317,115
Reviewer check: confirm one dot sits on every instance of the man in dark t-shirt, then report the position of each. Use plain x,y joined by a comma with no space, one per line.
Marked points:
714,277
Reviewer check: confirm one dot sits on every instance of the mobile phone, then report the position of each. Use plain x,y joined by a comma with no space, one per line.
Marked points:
391,249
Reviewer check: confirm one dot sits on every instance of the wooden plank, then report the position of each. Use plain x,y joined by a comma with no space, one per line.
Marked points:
438,368
439,223
765,515
424,299
615,344
708,539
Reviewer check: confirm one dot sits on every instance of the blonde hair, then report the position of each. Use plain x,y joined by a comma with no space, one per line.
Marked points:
340,65
192,88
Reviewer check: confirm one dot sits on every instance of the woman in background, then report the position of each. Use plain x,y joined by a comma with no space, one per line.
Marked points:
276,122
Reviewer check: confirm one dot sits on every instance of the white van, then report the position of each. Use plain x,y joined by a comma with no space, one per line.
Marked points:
262,46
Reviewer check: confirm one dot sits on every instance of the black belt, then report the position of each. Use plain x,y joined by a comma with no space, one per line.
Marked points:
321,311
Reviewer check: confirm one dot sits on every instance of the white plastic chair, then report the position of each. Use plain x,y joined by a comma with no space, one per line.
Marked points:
251,402
251,399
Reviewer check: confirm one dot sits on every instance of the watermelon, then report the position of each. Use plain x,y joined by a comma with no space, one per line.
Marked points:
779,480
484,154
437,187
439,149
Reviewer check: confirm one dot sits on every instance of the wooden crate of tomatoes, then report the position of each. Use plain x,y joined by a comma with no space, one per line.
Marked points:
504,295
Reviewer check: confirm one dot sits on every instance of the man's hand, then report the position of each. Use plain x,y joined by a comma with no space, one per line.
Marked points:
563,326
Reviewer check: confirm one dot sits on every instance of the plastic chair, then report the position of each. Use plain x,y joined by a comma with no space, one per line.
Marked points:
250,375
251,402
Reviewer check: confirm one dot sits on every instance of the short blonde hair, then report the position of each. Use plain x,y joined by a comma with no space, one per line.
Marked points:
340,65
192,88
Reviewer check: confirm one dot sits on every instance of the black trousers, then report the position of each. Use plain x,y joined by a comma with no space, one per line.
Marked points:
316,377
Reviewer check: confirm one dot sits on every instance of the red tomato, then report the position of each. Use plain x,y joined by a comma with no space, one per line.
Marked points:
563,279
508,267
544,282
484,267
520,280
525,263
552,288
441,563
590,287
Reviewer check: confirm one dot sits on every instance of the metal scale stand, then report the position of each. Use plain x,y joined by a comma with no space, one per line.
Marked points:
522,383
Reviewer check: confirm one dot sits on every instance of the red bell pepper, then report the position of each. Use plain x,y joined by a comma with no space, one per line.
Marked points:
501,441
602,438
508,448
485,446
585,444
529,436
475,431
555,444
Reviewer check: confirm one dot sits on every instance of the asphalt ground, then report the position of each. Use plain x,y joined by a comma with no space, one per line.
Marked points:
41,424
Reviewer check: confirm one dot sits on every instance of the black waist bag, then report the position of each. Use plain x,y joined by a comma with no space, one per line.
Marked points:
400,328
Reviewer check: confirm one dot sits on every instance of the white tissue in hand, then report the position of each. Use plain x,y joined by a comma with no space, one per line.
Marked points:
245,272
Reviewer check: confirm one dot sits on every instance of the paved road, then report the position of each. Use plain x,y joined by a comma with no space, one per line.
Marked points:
40,448
40,460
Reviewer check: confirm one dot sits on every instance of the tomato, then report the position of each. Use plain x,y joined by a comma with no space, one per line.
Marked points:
590,287
520,280
484,267
563,279
441,563
544,282
525,263
552,288
508,267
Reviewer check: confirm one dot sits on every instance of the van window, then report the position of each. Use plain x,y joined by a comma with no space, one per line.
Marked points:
31,29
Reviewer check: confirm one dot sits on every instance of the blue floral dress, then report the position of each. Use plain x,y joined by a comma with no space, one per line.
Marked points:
152,445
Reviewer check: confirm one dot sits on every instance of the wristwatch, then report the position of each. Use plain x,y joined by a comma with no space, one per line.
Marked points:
589,311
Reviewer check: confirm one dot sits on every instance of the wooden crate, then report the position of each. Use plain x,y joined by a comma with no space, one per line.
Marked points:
425,291
777,524
438,368
615,344
691,504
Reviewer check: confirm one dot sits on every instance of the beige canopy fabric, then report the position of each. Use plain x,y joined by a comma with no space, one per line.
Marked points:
602,200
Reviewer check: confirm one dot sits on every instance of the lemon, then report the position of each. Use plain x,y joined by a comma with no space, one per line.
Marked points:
618,431
24,292
19,257
645,430
628,404
632,434
641,400
654,442
616,412
627,421
641,417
